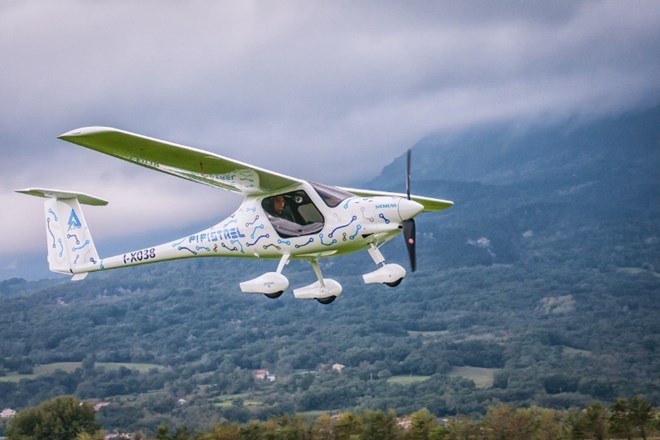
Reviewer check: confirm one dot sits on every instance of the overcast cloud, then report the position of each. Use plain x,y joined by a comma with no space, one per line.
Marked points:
324,90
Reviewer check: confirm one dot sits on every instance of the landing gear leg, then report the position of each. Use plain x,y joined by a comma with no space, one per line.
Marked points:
271,284
388,274
280,267
325,290
319,276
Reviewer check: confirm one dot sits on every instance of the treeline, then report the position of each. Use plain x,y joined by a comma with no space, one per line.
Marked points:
66,418
549,336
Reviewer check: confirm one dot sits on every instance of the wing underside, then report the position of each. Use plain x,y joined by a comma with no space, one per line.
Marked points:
178,160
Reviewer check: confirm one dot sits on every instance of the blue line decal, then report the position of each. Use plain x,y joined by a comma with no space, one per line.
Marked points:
255,231
55,217
248,224
286,242
331,234
357,229
258,238
59,240
181,248
266,246
234,249
239,243
230,222
381,215
178,243
327,244
74,236
199,248
311,240
81,246
51,232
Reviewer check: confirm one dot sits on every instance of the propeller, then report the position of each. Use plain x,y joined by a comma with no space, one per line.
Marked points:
409,225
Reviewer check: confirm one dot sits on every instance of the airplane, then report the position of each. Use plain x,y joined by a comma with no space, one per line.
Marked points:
281,217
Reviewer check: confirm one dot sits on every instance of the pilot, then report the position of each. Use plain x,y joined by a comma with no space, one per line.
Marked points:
279,203
281,210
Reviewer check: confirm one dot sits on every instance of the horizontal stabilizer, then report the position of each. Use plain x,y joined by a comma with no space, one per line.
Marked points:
83,198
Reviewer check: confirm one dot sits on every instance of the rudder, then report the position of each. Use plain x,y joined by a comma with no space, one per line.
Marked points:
70,244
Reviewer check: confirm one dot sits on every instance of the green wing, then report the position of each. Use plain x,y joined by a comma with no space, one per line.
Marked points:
185,162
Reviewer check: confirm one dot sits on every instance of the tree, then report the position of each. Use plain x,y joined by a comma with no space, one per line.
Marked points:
347,425
641,414
380,426
596,419
61,418
502,422
421,424
163,433
620,423
323,429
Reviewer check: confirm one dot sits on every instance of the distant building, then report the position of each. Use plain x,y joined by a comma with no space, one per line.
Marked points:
7,413
261,374
338,367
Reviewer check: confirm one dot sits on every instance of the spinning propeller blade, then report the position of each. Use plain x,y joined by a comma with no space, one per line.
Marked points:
409,225
409,236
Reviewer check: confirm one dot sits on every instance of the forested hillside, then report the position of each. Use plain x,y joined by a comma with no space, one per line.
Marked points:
540,286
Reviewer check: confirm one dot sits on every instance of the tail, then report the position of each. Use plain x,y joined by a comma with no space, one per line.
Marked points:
70,245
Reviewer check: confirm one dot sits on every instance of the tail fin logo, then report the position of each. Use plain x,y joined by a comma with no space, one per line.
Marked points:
74,221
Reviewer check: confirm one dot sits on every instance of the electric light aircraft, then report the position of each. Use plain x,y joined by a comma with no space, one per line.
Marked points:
281,217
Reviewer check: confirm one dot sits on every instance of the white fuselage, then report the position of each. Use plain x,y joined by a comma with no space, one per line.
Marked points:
354,224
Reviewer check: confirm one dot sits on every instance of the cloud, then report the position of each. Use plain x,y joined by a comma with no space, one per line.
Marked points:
328,91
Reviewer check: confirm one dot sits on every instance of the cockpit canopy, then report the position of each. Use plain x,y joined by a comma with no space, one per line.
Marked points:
294,214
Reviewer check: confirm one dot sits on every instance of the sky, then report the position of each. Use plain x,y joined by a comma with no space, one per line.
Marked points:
324,90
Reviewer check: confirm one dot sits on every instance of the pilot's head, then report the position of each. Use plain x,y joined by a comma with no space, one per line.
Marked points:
279,202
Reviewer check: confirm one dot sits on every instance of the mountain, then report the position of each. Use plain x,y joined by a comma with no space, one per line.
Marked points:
538,287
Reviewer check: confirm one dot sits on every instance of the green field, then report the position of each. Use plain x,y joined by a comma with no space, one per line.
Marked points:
70,367
407,379
228,400
482,377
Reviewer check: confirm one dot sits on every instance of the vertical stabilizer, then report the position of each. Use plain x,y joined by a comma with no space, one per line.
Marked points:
71,249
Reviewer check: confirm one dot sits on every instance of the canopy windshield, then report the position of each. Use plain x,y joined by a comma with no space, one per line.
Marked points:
331,195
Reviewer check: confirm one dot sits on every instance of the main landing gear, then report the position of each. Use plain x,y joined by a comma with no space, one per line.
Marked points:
273,284
324,290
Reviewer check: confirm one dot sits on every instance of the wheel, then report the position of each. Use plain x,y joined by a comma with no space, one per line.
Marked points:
327,299
274,295
395,283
